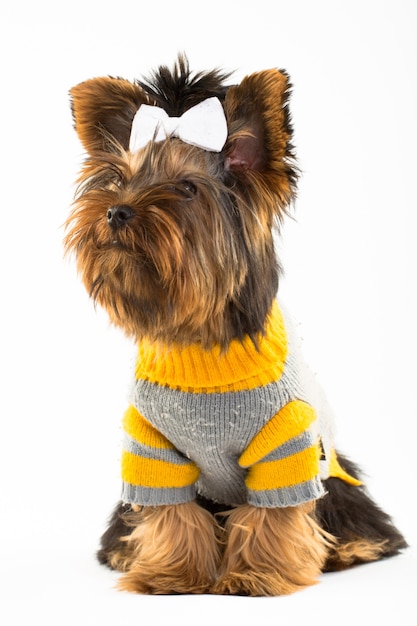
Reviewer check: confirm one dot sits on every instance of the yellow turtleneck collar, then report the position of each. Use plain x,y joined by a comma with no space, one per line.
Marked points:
242,366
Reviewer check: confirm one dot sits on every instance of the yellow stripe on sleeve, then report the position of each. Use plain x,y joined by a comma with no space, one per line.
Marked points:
287,472
142,431
292,420
143,472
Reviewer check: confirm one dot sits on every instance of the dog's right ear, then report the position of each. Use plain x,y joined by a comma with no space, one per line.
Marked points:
103,110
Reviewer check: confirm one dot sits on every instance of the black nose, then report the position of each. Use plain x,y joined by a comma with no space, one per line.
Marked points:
119,215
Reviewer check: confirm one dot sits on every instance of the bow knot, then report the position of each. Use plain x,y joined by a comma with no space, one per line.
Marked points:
204,126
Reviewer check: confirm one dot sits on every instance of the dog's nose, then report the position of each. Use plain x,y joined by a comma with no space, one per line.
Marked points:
119,215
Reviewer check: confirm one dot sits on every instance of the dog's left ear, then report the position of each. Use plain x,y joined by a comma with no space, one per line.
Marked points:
259,123
103,110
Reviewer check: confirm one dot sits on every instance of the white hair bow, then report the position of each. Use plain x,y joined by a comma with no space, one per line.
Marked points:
204,126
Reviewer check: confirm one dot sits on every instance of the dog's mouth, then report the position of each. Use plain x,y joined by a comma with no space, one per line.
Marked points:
113,241
115,245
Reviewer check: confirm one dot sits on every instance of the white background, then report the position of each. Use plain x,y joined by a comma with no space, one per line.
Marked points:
350,260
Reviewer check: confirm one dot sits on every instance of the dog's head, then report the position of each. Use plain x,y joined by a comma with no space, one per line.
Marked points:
183,182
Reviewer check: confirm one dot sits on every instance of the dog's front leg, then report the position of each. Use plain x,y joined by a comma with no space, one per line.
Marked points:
271,552
173,549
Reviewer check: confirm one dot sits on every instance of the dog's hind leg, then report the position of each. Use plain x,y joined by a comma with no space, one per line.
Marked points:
364,532
114,551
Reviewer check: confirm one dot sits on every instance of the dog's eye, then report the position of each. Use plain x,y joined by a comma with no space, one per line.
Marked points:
184,188
189,188
115,184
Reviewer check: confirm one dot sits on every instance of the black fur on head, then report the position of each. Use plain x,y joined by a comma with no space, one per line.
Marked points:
178,89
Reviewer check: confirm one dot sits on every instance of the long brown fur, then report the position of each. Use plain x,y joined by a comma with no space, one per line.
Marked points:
172,549
272,551
193,261
151,279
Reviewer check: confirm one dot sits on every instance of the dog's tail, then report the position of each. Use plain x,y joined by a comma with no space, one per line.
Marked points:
364,532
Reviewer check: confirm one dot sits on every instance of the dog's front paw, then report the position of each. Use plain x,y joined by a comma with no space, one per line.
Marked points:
253,583
271,552
163,583
174,550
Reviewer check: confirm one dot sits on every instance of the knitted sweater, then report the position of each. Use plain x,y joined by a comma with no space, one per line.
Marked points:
234,427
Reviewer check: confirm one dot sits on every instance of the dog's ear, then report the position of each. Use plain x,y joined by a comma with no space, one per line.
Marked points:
259,122
103,110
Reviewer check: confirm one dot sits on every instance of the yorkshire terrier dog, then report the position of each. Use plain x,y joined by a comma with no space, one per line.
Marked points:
231,482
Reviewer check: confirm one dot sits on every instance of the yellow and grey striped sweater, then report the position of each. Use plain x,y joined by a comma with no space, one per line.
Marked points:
239,426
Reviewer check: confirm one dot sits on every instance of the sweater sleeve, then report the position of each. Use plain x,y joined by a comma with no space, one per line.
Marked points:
154,472
283,459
